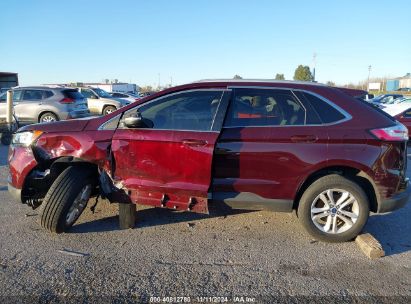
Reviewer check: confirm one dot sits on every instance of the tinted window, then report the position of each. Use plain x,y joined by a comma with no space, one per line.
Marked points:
87,93
16,95
327,112
254,107
74,94
101,93
48,94
32,94
193,110
312,117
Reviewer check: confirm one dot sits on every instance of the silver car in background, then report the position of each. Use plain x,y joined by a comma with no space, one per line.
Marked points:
44,104
100,102
131,97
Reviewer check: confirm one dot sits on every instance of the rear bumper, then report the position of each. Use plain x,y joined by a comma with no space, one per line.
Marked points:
397,201
14,193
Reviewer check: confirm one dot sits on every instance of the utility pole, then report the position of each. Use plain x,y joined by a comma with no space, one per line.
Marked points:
314,64
368,81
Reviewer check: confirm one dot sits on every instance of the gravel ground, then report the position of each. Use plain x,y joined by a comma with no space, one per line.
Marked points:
264,256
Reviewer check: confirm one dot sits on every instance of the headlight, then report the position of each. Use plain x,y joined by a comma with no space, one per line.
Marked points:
25,138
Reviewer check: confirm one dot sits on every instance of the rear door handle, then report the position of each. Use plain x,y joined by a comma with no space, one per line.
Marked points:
194,142
304,138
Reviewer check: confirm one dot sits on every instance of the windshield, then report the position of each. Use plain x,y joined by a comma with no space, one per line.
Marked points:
102,93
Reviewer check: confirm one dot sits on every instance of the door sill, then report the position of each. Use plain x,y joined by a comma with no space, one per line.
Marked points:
252,201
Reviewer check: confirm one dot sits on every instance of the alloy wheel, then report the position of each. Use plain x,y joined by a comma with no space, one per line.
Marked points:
334,211
48,118
78,205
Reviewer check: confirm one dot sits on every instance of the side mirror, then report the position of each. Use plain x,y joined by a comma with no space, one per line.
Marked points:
93,97
135,121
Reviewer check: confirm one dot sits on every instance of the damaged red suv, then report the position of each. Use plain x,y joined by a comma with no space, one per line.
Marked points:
280,146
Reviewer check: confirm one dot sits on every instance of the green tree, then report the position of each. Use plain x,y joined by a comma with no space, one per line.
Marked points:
330,83
237,77
279,77
303,73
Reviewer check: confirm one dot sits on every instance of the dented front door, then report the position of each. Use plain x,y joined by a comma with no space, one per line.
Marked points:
168,161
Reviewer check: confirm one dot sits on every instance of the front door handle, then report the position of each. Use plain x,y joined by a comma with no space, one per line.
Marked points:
304,138
194,142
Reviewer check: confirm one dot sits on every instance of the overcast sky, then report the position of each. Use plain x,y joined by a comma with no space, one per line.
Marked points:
88,41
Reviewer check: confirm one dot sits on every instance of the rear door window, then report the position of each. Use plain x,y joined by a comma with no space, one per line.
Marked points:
33,95
265,107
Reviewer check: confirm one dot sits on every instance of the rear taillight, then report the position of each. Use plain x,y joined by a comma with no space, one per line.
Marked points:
67,100
395,133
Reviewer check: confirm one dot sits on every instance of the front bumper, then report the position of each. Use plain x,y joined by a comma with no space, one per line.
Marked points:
397,201
15,193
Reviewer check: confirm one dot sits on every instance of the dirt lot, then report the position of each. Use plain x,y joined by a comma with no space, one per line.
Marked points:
260,255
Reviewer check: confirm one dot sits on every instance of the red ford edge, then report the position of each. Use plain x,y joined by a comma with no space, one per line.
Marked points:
279,146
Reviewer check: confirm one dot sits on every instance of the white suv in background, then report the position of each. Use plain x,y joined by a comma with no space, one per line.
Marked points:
100,102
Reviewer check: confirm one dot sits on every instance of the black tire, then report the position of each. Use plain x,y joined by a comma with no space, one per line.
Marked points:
61,196
313,192
48,117
108,109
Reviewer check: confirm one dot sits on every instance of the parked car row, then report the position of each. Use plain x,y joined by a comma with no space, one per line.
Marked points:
45,104
42,104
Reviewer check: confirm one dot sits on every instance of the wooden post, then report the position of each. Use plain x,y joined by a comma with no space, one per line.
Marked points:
6,136
127,215
9,109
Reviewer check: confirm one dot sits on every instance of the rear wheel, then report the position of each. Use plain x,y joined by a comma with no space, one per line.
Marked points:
66,199
333,209
48,117
108,110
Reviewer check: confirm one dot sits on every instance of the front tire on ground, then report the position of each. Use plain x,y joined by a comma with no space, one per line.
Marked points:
66,199
333,209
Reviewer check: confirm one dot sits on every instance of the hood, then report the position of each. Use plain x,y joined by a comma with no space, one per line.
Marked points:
74,125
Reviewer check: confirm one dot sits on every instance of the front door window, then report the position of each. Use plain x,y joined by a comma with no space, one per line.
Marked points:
190,111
